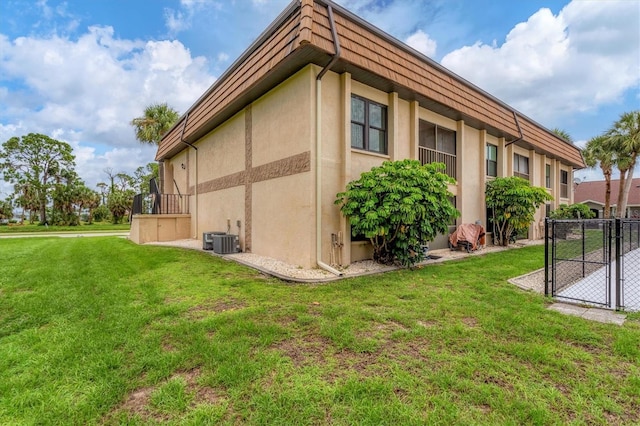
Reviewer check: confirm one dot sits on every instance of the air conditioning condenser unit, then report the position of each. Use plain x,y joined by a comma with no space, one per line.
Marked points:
226,244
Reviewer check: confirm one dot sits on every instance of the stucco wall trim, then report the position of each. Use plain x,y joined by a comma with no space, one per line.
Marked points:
295,164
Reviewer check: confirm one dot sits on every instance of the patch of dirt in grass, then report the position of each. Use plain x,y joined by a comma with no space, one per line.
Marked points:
416,357
629,417
484,408
587,347
414,348
207,395
391,326
310,351
490,379
215,307
287,321
172,300
315,309
401,394
364,364
382,331
622,371
427,324
470,322
167,346
137,403
138,400
563,388
202,394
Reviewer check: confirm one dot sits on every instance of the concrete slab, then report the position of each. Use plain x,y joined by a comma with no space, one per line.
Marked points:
605,316
593,314
593,287
568,309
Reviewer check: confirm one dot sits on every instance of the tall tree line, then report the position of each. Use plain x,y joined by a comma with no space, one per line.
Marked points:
47,187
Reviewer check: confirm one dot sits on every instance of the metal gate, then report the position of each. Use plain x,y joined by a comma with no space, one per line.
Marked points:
629,265
594,262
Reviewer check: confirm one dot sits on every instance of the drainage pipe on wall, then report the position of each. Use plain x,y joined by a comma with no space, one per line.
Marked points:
336,45
515,118
195,191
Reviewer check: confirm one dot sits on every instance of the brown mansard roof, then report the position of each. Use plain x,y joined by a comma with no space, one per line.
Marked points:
595,191
302,35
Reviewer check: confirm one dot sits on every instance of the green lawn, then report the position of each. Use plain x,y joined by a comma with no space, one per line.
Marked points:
101,331
101,227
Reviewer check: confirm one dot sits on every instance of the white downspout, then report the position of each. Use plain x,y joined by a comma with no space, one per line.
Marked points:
336,45
195,191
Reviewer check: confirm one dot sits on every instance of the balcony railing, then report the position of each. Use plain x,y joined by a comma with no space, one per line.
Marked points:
428,155
160,204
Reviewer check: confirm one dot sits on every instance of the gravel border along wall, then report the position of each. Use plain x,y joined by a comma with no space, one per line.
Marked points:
296,273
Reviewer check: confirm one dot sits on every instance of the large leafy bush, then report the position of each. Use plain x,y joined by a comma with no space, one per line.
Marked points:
514,202
398,207
574,211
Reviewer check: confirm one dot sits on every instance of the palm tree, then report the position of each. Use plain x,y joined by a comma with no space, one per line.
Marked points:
624,141
563,134
6,209
595,152
89,199
26,197
156,121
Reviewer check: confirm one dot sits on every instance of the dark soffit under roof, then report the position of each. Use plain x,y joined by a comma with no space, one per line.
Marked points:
309,53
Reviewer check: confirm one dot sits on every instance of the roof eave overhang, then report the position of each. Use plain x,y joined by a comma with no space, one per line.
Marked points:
308,53
303,56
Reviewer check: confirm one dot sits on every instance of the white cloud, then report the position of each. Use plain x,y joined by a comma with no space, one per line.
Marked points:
194,3
91,166
46,11
176,21
86,91
402,18
550,66
422,43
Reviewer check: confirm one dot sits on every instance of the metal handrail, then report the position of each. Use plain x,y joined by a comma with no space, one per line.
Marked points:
150,203
428,155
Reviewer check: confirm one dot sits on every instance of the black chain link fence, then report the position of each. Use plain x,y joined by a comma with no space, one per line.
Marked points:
630,264
594,262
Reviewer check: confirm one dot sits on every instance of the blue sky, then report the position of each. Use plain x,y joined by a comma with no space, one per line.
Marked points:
80,70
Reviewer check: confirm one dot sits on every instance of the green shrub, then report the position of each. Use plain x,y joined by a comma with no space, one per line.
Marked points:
513,202
398,207
574,211
102,214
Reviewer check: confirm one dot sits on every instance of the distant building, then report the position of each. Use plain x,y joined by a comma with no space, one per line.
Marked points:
593,193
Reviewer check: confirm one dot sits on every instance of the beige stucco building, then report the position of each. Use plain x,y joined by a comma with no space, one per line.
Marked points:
319,98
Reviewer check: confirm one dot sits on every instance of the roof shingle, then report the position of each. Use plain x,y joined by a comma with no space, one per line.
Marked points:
595,191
